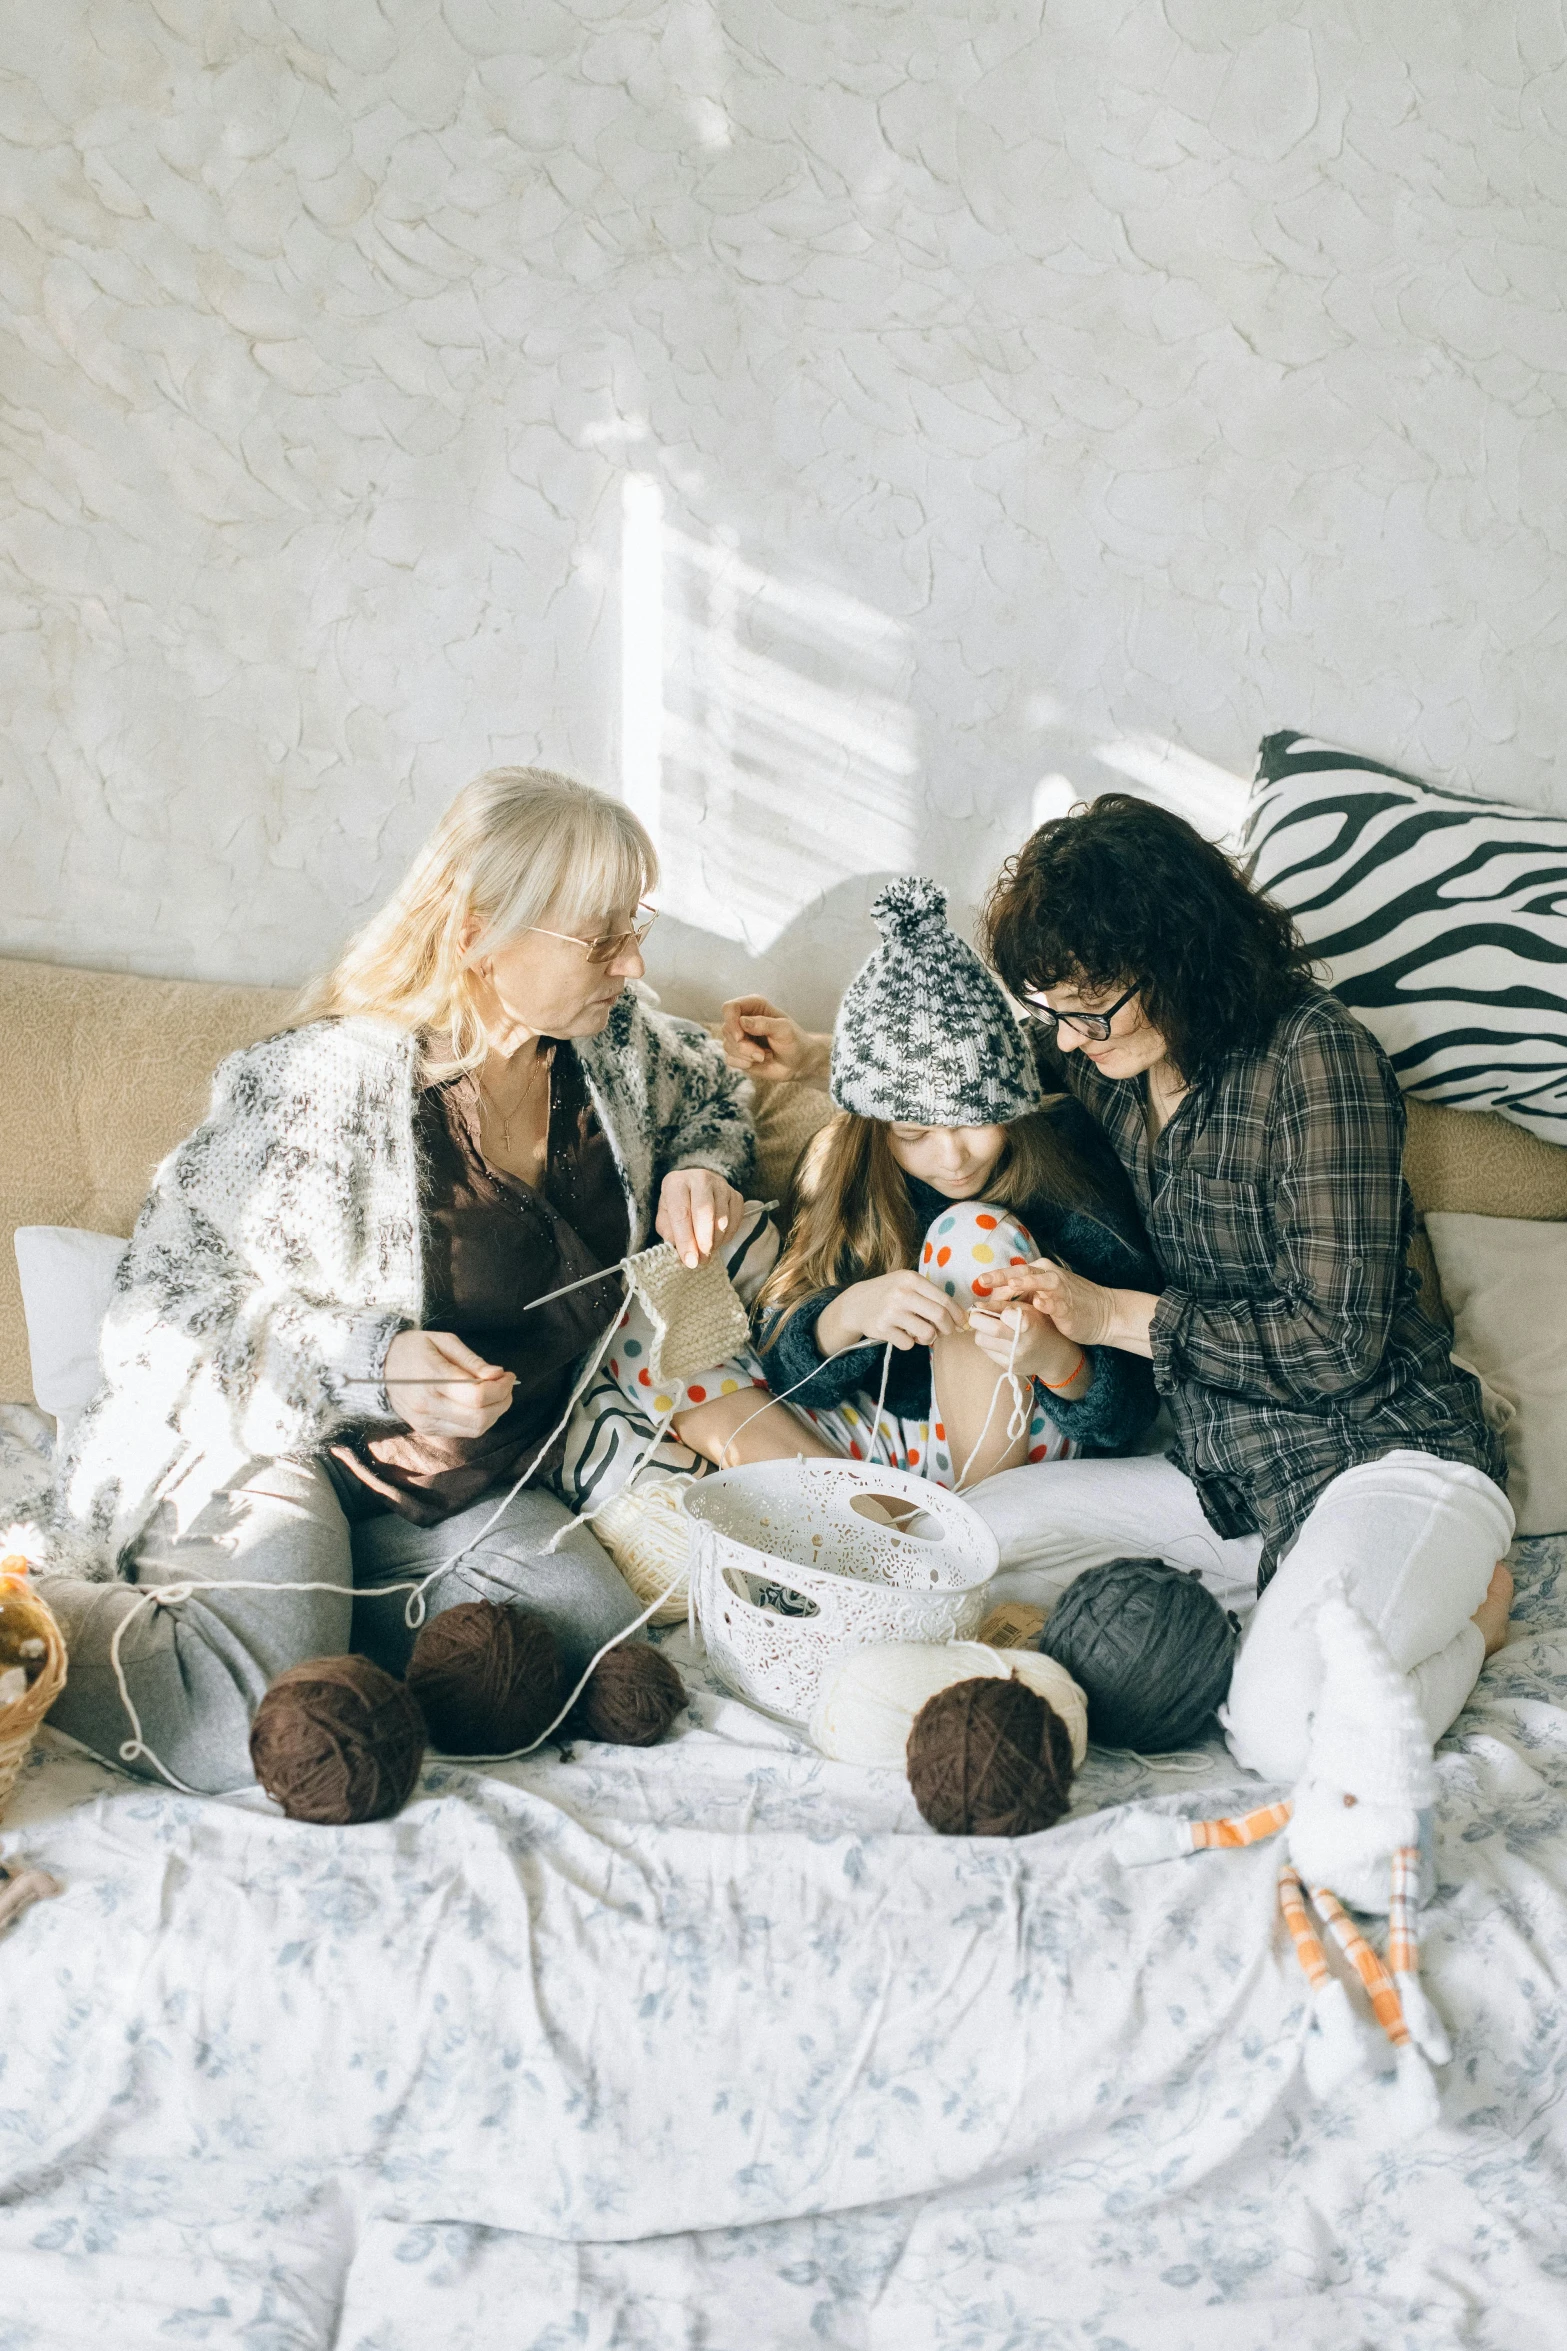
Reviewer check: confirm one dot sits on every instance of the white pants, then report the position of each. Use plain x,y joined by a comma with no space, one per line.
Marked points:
1415,1539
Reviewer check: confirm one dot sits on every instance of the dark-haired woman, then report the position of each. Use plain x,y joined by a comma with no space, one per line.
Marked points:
1321,1427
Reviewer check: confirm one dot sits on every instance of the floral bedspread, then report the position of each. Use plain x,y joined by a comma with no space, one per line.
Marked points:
716,2045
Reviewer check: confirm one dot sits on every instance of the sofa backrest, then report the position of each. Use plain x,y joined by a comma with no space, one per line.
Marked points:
101,1075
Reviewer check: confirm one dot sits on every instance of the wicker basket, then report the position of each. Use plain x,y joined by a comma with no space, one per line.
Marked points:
19,1722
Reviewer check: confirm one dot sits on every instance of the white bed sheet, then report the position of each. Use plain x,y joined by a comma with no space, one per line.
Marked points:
716,2045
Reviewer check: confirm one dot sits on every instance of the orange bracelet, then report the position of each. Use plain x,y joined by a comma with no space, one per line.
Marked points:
1071,1375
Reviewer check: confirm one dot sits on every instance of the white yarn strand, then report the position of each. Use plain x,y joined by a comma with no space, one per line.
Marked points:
174,1596
784,1394
137,1748
414,1613
881,1397
1017,1419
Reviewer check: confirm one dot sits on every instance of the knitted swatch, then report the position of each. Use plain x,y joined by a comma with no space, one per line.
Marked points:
696,1315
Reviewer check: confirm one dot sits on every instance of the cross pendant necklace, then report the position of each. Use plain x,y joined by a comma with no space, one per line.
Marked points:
540,1060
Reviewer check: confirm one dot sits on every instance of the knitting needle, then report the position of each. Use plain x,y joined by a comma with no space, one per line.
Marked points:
457,1378
566,1288
550,1296
472,1379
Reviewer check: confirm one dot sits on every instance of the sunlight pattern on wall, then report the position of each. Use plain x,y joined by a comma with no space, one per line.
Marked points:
765,727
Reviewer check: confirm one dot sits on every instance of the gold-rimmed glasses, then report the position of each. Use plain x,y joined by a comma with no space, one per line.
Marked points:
609,944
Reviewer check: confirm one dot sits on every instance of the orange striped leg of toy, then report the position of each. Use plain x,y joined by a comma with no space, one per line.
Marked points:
1403,1939
1381,1990
1249,1829
1292,1901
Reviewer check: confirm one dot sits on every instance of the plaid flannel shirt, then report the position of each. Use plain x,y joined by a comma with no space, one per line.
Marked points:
1289,1339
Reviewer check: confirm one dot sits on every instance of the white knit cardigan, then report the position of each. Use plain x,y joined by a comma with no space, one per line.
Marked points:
279,1252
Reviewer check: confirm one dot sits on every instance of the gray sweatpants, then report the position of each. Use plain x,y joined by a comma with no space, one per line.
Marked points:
197,1668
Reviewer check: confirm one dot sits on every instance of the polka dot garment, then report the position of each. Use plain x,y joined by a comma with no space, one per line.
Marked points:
963,1252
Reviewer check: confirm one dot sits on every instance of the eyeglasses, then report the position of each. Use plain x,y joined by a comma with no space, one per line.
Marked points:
1092,1024
612,943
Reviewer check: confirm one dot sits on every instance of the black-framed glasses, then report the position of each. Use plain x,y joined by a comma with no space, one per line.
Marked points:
609,944
1092,1024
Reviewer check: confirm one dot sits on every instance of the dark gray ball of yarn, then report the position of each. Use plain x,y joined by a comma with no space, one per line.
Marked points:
1149,1648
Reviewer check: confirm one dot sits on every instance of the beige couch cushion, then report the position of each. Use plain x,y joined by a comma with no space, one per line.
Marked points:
1472,1163
100,1076
786,1117
1506,1282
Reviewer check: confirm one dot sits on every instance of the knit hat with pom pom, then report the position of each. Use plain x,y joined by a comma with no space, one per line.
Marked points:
924,1034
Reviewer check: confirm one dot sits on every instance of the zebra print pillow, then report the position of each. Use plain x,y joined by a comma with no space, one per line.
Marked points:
1442,920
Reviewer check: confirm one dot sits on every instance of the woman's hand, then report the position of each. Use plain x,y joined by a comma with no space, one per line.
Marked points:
1081,1310
1043,1350
458,1393
762,1042
696,1208
902,1307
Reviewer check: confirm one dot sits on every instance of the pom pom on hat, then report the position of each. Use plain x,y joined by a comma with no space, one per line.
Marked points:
906,902
1150,1648
924,1032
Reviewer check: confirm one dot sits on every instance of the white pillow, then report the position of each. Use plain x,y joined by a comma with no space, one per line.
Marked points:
67,1282
1505,1281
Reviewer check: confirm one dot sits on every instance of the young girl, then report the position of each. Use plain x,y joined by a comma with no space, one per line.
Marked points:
944,1168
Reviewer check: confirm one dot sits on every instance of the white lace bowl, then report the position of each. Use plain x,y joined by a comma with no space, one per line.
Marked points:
786,1573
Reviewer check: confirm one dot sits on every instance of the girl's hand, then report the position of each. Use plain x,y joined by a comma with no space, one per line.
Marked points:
1043,1352
696,1208
902,1307
1082,1311
473,1401
762,1042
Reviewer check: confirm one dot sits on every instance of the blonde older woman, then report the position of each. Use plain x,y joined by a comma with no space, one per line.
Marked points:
318,1367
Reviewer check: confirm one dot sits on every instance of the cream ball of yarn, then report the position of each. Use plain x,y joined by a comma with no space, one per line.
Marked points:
648,1536
869,1697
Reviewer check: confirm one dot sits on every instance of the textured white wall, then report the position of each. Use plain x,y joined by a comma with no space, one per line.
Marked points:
980,392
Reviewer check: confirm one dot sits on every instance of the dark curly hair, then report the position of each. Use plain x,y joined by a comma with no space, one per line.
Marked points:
1124,894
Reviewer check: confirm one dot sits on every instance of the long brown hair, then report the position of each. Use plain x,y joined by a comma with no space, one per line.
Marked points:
849,1212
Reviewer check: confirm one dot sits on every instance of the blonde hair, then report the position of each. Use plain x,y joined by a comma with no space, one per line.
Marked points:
516,845
850,1215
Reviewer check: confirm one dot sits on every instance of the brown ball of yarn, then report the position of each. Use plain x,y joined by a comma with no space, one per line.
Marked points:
337,1741
632,1697
487,1678
990,1758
